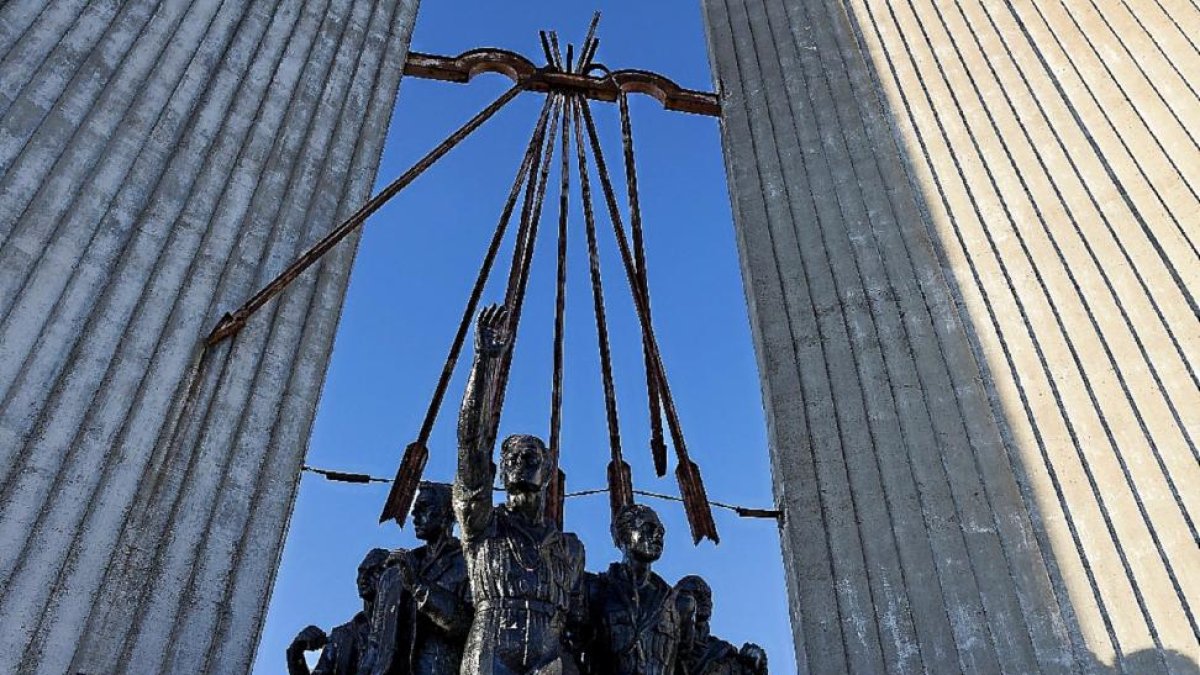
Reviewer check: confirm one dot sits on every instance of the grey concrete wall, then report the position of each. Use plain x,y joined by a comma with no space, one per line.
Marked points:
968,232
159,161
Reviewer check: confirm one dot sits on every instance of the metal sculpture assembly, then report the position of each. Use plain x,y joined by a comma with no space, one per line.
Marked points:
569,88
513,595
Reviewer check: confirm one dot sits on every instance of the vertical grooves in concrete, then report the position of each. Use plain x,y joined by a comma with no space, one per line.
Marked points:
62,27
234,503
106,248
263,538
121,123
967,210
15,19
178,165
35,91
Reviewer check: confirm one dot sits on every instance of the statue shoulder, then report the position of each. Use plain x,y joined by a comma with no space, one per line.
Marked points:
345,633
573,544
573,541
720,649
452,561
575,550
387,588
594,584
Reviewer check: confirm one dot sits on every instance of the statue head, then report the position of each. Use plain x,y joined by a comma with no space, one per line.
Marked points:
524,463
432,515
368,572
638,533
697,590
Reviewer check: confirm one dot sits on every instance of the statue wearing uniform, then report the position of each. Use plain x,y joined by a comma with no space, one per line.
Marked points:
422,605
703,653
634,620
525,574
346,646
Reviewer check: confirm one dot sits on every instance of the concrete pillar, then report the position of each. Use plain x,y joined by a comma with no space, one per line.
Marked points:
967,233
159,161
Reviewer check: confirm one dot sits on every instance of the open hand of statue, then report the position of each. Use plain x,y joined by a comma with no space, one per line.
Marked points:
491,331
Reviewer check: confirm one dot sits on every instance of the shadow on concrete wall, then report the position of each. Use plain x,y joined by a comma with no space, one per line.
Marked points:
963,154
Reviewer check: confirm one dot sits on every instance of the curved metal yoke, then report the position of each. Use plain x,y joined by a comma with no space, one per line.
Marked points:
522,71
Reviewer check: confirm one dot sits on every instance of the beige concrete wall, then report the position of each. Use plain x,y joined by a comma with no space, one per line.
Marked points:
159,161
969,238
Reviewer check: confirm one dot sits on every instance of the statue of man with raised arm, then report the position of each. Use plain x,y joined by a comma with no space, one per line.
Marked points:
525,574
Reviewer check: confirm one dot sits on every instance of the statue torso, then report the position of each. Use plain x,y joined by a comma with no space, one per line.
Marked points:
637,630
717,657
522,578
405,640
347,646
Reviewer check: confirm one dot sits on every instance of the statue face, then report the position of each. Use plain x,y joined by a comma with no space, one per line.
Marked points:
368,574
701,598
430,515
643,537
703,615
524,465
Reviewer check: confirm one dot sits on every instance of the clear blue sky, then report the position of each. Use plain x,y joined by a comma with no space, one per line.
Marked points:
415,266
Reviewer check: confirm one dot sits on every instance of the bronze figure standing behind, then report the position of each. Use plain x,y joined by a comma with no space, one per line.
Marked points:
635,623
422,606
346,646
704,653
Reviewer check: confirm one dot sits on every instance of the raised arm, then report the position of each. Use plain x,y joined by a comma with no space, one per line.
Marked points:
476,433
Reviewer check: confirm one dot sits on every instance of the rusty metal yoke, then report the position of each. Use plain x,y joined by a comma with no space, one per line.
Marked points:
522,71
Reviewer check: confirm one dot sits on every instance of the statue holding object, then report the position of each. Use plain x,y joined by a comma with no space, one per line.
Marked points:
344,650
703,653
525,574
422,606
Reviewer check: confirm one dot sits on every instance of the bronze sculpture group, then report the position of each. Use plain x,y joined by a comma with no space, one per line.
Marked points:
513,596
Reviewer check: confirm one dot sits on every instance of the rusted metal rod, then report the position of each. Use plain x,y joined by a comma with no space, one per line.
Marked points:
416,455
522,179
232,322
686,471
620,480
589,44
554,502
658,447
523,256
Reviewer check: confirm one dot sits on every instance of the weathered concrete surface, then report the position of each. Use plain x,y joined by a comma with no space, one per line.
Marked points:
969,244
159,161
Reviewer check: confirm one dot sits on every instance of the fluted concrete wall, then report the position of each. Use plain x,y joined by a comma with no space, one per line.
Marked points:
969,238
159,161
